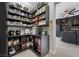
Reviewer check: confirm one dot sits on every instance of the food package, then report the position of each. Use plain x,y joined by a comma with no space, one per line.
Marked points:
10,43
18,32
24,46
28,44
11,33
15,42
12,51
23,39
25,8
43,22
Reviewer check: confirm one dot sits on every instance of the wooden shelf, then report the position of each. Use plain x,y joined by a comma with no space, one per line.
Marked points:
40,7
35,43
35,35
23,42
19,26
24,35
14,45
24,16
40,14
12,13
10,19
13,7
38,20
43,25
18,36
27,22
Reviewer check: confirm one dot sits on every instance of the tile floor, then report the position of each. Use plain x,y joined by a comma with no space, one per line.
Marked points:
65,49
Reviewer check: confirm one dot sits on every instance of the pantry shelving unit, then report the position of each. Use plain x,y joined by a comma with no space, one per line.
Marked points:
14,19
41,15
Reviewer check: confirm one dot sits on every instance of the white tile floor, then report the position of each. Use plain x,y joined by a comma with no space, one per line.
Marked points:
62,50
66,50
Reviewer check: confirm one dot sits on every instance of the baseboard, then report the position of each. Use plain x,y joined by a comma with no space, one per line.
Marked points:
53,52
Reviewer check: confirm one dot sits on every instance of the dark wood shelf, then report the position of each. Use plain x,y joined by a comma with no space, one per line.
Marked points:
19,26
38,20
14,45
10,19
39,7
12,13
40,14
24,16
18,36
23,42
35,43
25,11
26,22
13,7
43,25
46,25
17,14
36,35
24,35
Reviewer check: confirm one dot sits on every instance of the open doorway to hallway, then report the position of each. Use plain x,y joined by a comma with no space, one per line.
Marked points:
67,26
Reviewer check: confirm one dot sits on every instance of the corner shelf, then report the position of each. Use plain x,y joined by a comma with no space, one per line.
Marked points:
27,22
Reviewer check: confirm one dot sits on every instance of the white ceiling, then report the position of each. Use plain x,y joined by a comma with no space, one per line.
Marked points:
29,5
61,7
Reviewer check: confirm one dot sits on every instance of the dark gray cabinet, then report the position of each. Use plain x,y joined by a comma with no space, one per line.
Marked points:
69,36
77,37
3,47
